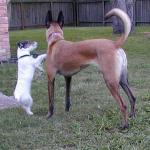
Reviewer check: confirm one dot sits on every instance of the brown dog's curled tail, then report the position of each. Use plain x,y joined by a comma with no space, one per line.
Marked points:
126,21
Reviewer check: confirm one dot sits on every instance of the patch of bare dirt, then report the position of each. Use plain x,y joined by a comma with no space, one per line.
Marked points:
147,34
7,102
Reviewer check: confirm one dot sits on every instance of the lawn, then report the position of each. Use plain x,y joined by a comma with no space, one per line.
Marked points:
94,118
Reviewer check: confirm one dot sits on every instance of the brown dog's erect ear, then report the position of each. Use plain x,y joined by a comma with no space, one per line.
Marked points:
60,19
48,19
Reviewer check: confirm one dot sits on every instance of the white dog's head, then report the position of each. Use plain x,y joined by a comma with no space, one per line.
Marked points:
25,47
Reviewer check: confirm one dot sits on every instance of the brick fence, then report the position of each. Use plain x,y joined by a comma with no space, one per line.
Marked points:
4,34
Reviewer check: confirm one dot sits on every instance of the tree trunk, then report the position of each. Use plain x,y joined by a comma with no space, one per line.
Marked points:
130,12
126,6
117,23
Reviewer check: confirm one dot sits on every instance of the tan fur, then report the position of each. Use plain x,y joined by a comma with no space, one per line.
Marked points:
126,21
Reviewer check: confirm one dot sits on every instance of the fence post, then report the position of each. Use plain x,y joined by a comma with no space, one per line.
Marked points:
74,13
22,15
51,7
103,3
134,15
77,12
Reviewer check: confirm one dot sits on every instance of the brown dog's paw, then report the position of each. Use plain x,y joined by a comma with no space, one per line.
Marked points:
50,113
131,114
124,126
68,104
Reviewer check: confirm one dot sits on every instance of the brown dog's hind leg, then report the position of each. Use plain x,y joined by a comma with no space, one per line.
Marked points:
114,89
68,89
125,86
51,97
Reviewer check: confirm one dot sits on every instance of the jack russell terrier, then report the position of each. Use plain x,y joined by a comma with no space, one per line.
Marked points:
67,58
26,68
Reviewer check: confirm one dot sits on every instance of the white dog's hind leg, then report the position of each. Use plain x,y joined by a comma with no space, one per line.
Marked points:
27,110
26,104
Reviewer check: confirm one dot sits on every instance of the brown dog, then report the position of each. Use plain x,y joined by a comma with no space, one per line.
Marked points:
67,58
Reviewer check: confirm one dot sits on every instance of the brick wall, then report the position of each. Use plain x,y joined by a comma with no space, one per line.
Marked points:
4,34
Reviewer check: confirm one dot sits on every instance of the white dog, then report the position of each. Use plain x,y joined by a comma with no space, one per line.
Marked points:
26,68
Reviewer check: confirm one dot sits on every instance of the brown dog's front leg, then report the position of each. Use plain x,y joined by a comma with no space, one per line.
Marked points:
68,89
51,97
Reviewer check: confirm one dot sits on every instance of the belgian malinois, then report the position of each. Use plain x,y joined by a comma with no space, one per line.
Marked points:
67,58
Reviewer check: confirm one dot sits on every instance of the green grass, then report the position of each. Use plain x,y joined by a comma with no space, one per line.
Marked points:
94,118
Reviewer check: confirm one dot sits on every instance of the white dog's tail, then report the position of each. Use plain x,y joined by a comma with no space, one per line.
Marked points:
126,21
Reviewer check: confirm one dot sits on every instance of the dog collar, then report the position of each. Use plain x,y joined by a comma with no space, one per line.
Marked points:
23,56
55,33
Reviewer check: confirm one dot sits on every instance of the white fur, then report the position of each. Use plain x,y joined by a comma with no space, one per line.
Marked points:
121,62
26,69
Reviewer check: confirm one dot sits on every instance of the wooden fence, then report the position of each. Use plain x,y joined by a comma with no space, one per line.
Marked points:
31,13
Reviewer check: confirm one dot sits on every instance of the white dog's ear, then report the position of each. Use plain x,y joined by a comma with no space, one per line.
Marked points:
60,19
20,45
